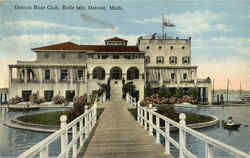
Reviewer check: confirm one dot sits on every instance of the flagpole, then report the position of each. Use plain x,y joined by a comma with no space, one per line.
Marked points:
163,26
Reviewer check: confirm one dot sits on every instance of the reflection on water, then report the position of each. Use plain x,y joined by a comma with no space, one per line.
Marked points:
239,139
15,141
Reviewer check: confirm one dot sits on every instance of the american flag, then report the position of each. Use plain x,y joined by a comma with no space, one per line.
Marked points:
166,22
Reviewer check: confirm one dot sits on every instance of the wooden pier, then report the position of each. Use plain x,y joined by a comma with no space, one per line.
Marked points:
119,136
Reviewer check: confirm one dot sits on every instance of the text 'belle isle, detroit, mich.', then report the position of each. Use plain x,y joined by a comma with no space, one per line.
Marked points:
67,7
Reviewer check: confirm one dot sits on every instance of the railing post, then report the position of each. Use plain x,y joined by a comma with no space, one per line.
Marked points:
64,136
182,135
141,115
95,113
86,122
138,112
145,119
157,128
74,139
167,144
81,131
45,152
209,151
150,120
90,120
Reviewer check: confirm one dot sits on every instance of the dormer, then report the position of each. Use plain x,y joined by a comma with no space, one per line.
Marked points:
116,41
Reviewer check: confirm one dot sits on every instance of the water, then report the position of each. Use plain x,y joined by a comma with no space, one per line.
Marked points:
239,139
13,142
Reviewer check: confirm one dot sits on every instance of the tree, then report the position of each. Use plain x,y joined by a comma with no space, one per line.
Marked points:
193,92
148,91
179,93
164,92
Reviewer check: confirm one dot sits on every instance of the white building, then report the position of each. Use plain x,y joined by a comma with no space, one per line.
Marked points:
69,69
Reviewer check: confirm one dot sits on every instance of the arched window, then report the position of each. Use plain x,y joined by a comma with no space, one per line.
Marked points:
132,73
116,73
99,73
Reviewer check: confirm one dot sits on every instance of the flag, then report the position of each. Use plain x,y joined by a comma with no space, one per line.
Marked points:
166,22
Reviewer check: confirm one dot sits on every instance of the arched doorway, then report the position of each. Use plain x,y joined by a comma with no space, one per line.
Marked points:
132,73
116,73
99,73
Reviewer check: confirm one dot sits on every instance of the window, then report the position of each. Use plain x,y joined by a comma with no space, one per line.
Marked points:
185,60
63,56
105,56
147,59
183,47
116,57
171,47
160,47
80,56
99,73
64,74
46,55
147,47
80,75
47,75
172,60
185,76
172,76
159,60
127,56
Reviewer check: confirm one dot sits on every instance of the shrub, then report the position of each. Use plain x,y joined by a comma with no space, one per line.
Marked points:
78,107
58,99
35,99
15,100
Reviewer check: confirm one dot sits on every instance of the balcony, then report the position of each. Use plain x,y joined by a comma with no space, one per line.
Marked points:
208,80
187,81
17,80
49,81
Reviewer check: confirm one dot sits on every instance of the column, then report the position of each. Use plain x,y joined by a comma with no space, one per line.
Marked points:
209,91
40,75
10,76
71,76
25,75
1,98
56,75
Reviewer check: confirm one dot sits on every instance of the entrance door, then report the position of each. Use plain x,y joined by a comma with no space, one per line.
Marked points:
48,95
70,95
116,73
26,95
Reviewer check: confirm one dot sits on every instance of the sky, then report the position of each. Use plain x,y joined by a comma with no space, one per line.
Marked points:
219,30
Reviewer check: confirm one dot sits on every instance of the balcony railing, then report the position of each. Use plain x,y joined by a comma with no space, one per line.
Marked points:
187,81
49,81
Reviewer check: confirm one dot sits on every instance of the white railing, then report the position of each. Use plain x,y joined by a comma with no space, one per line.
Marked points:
80,129
145,117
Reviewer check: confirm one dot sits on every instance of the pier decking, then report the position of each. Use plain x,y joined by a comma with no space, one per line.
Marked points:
119,136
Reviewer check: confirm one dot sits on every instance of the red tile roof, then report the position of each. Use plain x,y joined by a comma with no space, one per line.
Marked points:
61,46
69,46
116,39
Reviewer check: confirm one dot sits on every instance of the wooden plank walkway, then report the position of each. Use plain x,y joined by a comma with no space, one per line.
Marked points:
119,136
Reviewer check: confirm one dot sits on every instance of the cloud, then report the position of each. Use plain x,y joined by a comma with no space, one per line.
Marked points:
190,23
95,20
228,45
29,24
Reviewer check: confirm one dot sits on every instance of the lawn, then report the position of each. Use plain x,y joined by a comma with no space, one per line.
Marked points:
49,118
190,117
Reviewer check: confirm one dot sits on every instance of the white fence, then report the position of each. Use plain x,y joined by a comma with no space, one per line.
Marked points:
145,118
80,128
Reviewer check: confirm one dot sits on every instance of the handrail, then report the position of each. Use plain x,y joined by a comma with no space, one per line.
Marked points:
80,127
145,119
